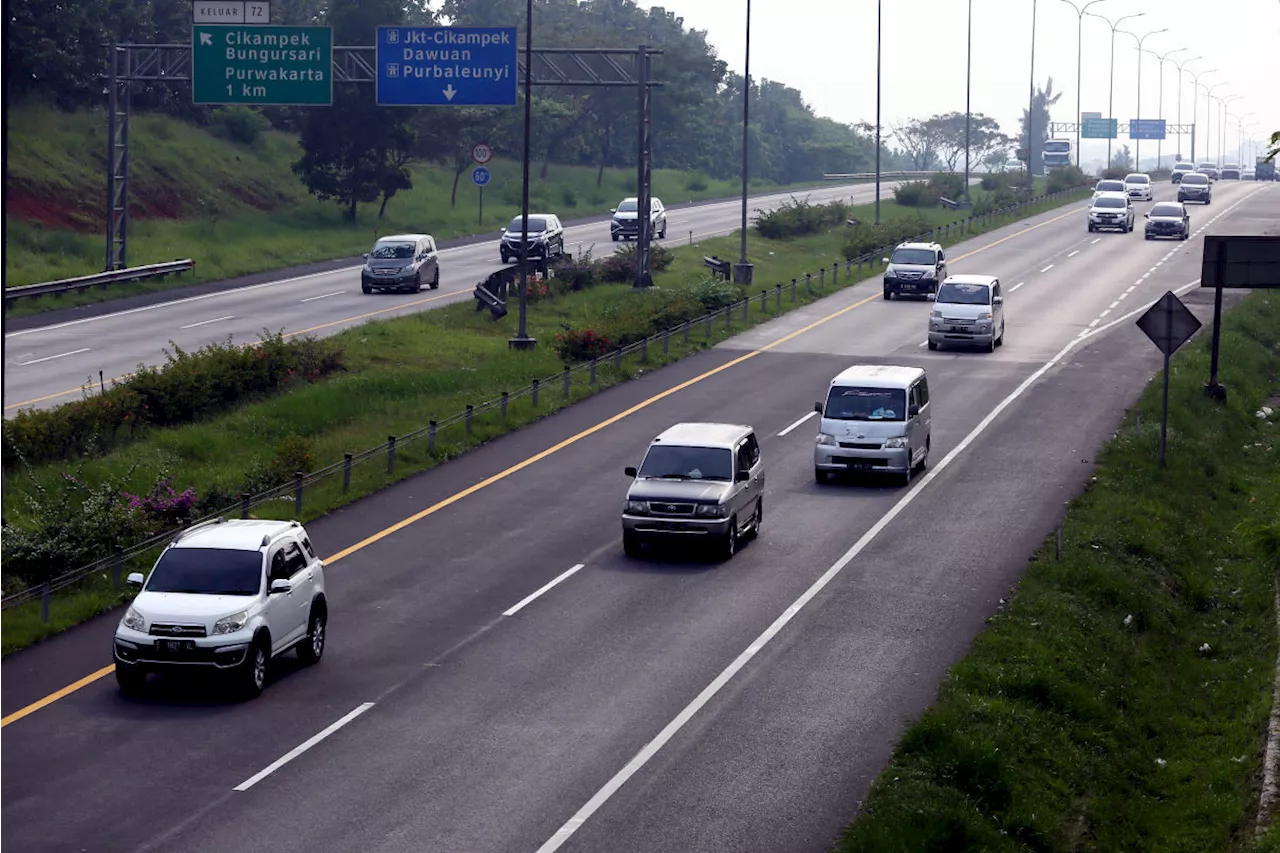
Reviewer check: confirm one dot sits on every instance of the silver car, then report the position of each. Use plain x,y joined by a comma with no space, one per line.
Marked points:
876,419
969,310
1112,211
698,482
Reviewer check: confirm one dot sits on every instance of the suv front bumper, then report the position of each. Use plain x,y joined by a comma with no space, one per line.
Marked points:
661,527
403,279
829,457
912,286
223,651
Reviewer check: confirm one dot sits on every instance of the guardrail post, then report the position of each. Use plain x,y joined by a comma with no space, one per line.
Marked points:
117,569
346,472
764,301
506,398
1058,542
793,290
690,237
297,492
859,266
822,278
777,292
728,317
536,385
617,359
666,341
46,593
644,350
567,380
746,305
808,284
594,362
470,411
391,453
708,327
431,436
687,324
244,504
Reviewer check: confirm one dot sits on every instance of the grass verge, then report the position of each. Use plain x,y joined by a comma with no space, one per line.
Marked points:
1120,701
408,371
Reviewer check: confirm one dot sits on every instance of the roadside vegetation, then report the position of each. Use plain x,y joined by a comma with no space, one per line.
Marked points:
1120,700
382,378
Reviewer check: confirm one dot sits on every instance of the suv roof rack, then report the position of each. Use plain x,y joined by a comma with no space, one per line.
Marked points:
182,534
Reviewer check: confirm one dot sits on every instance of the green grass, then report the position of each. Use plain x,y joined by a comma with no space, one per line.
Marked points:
238,209
1065,729
407,371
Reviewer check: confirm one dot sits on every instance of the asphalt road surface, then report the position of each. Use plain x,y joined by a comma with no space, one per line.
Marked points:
634,705
50,363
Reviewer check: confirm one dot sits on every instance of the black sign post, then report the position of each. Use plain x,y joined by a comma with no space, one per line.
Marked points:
1249,262
1169,324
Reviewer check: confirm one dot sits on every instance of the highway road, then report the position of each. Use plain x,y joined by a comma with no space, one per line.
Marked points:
50,363
499,677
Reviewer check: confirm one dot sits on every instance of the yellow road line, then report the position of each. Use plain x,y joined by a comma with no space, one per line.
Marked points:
520,466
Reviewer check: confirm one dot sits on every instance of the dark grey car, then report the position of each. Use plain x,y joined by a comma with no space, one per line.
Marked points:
1195,187
914,268
401,262
1168,219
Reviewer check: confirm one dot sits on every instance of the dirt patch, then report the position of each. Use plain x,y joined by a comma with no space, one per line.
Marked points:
54,213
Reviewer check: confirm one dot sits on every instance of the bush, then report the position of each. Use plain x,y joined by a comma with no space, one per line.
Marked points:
696,182
797,217
581,345
568,196
640,315
238,124
621,265
949,184
713,293
886,235
189,386
1114,174
1066,178
993,181
536,290
574,274
293,455
916,194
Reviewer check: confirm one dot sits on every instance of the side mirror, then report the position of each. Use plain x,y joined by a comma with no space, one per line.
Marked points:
630,471
742,477
913,410
999,300
817,407
1146,216
280,585
134,579
613,210
366,256
884,260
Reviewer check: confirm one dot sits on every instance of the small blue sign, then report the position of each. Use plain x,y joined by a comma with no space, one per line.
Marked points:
1146,128
443,66
480,176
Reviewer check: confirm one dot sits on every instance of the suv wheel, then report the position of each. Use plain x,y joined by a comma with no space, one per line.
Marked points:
366,288
130,679
819,476
615,237
311,649
888,294
506,259
756,520
253,671
630,545
435,282
729,545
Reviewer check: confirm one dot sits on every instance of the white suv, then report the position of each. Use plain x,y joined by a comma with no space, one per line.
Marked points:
1138,186
226,597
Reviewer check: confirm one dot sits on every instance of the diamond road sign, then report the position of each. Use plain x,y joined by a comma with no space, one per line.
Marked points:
1146,128
1099,128
439,66
1169,324
247,64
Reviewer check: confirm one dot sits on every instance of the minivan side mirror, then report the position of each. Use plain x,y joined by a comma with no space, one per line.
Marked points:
630,471
134,579
366,256
817,407
1146,216
913,410
884,260
742,477
613,210
998,300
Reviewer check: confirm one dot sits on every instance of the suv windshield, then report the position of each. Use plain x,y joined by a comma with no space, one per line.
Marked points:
669,462
1195,179
964,294
923,257
536,224
1174,210
207,571
866,404
1109,186
1108,202
390,251
629,206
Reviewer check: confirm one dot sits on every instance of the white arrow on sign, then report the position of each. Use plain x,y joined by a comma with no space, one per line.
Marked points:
206,38
450,92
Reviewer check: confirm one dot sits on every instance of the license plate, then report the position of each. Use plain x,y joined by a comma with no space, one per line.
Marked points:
858,464
176,647
959,328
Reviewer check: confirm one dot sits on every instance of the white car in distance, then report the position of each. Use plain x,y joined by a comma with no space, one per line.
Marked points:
1138,186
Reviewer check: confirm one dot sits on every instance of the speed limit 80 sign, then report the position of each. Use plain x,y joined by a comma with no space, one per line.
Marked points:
482,153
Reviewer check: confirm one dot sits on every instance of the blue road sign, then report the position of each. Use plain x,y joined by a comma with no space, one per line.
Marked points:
442,66
1146,128
480,176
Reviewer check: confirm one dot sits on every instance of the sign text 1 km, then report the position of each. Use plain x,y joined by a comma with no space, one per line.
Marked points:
246,64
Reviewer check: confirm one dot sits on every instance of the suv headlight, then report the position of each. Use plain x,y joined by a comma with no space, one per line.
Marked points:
640,507
711,510
231,624
133,621
935,314
896,442
985,315
824,438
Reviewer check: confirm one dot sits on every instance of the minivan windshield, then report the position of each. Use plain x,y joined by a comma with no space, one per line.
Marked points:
629,206
963,294
671,462
392,251
1108,202
923,257
1167,209
1137,179
207,571
536,224
847,403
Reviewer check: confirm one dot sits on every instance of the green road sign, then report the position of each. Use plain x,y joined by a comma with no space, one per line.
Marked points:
253,64
1099,128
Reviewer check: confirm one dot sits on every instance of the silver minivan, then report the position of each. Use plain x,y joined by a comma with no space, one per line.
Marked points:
969,310
698,483
876,419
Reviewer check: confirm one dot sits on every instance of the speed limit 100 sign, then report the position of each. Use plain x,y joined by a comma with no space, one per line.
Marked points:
482,153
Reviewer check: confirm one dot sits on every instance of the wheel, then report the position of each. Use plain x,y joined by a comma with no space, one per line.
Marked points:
253,671
615,237
908,476
435,282
630,546
819,476
663,235
366,288
130,679
506,259
1000,340
311,649
933,345
991,344
1146,236
417,284
1185,235
729,545
756,520
888,294
1091,228
924,460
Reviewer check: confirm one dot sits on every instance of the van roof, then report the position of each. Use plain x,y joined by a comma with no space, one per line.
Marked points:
971,278
401,238
703,435
878,375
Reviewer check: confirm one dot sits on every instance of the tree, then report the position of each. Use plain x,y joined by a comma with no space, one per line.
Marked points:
1041,102
1122,159
1275,147
949,131
921,139
995,159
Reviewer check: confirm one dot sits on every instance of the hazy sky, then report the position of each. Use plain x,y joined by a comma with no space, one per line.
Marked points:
827,50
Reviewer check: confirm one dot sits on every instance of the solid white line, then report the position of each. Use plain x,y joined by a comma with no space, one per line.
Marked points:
1046,269
52,357
1073,254
806,417
652,747
207,322
301,748
321,296
513,611
1016,286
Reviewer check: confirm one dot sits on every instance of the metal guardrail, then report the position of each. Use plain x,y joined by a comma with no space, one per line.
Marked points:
67,285
435,431
883,175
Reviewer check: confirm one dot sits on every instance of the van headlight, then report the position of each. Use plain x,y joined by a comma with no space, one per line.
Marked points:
133,621
825,438
985,315
711,510
231,624
638,507
896,442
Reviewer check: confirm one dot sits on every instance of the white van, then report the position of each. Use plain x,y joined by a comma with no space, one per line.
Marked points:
876,419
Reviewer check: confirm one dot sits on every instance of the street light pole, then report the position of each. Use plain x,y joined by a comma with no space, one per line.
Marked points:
1160,106
968,113
1111,97
522,339
879,14
1208,117
1180,66
1195,108
746,122
1080,12
1137,142
1031,97
1222,128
